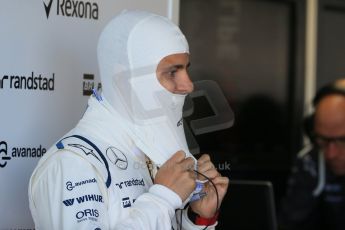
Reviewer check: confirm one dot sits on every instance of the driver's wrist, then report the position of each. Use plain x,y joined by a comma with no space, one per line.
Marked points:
199,220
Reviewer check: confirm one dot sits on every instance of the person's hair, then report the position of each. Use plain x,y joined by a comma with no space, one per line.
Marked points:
335,88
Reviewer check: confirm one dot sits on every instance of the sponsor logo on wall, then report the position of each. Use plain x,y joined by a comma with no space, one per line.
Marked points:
89,84
7,154
3,154
31,81
73,8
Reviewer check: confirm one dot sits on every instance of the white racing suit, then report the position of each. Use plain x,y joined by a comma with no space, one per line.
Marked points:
90,182
96,176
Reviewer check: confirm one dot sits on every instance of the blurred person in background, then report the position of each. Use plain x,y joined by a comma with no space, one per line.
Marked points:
315,196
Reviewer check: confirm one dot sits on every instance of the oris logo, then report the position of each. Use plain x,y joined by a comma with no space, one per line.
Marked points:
3,154
87,213
73,8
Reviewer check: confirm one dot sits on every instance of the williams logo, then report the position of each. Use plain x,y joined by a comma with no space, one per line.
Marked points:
31,82
3,154
126,202
89,84
73,8
18,152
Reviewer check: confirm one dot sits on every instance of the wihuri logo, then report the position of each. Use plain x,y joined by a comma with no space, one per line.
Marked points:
82,199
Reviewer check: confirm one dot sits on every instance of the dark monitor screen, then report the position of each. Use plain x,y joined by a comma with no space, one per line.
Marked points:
249,205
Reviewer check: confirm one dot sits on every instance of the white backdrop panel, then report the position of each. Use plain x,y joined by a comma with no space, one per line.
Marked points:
45,49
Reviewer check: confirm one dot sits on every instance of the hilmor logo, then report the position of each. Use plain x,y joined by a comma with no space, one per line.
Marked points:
3,154
89,84
73,8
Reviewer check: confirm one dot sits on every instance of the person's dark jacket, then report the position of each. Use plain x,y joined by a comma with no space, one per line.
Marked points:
315,197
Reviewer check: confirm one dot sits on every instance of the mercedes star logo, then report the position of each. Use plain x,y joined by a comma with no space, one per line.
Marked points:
117,158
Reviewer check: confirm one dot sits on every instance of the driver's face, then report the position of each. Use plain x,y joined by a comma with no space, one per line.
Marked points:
172,73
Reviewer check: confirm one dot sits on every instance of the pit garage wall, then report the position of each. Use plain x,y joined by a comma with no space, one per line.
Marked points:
48,66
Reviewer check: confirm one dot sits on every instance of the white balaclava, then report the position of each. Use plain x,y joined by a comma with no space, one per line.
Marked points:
129,50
